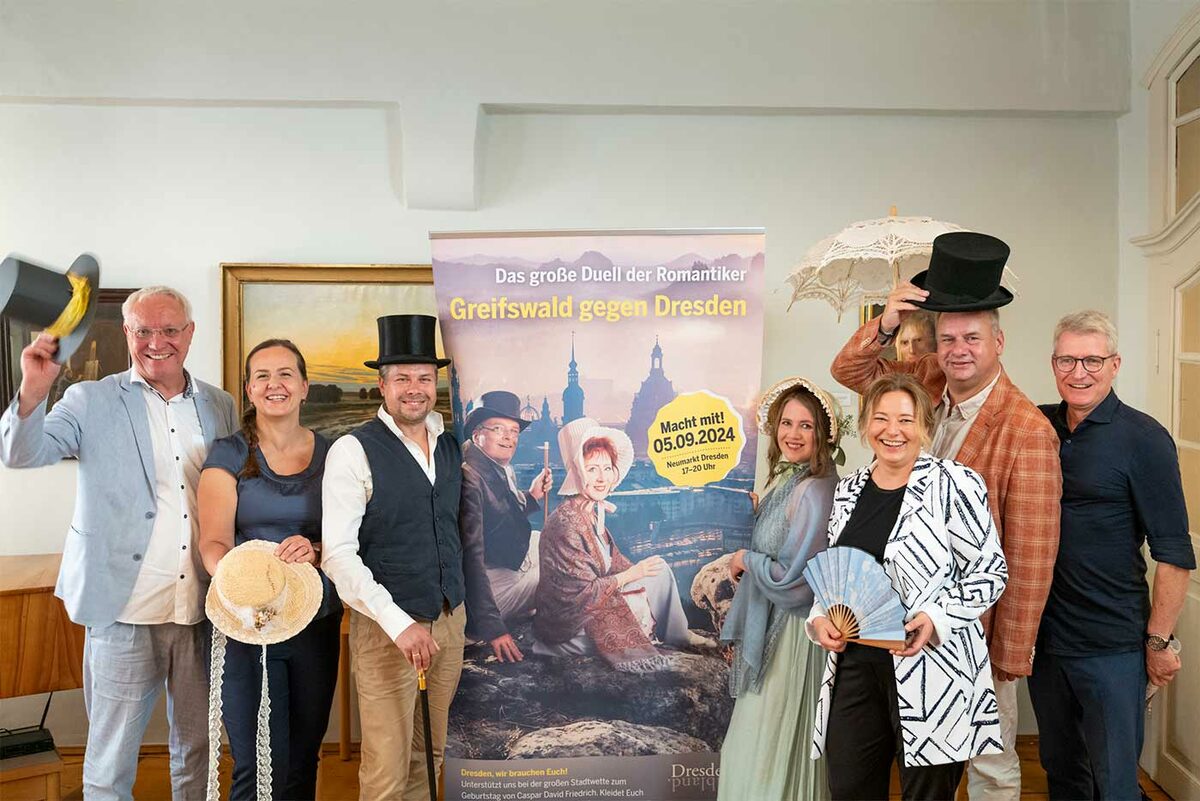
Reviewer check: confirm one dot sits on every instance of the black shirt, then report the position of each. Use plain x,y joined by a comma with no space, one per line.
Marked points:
1121,487
873,519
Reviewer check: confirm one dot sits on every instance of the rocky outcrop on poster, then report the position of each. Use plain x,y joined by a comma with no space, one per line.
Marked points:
603,738
499,705
712,589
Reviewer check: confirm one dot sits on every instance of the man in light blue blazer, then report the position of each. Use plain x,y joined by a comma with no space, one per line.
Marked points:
131,572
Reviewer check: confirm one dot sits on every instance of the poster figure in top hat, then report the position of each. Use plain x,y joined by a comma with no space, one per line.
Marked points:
390,503
985,422
500,545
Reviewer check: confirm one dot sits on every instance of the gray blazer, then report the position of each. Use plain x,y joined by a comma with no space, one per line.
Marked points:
104,424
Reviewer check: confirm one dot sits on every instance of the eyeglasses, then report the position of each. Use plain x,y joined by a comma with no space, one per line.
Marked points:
169,333
1093,364
501,431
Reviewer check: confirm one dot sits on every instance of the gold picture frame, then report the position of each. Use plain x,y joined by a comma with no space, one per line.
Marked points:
329,311
868,312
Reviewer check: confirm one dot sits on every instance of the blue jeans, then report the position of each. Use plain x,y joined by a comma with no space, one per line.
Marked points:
1091,719
301,674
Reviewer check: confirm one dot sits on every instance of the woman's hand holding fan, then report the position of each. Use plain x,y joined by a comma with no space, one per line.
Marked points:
859,602
920,631
828,636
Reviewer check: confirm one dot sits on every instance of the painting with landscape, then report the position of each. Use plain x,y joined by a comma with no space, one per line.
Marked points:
334,325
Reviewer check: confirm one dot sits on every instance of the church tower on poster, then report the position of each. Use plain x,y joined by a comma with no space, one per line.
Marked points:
573,395
656,392
542,430
457,413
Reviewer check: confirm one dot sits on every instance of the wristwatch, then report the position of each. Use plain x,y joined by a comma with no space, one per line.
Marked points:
1157,642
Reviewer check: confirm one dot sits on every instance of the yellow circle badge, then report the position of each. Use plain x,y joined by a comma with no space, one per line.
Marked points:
696,439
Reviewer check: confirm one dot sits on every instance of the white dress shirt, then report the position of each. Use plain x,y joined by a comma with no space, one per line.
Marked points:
345,491
952,424
171,583
510,475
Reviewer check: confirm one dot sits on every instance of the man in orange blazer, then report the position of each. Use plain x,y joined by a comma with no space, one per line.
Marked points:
986,423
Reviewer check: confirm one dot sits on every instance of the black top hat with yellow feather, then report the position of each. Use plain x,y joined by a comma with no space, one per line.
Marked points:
61,304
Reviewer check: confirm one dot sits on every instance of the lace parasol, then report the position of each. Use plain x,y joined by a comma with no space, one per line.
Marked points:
861,263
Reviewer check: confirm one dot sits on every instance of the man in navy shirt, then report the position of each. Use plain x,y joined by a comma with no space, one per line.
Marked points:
1102,636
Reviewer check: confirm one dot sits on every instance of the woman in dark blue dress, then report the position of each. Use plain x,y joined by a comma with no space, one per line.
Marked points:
264,483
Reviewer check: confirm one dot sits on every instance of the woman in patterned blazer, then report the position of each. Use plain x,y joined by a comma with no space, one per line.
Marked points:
926,520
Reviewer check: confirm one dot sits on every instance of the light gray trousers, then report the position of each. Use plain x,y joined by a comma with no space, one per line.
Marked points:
125,667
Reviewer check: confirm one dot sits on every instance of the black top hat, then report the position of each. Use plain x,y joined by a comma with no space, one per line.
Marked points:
37,295
499,403
964,273
407,339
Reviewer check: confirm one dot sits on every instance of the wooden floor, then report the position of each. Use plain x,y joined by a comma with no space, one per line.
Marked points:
338,781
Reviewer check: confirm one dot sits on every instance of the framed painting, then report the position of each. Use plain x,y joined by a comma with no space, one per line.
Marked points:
868,312
329,312
102,353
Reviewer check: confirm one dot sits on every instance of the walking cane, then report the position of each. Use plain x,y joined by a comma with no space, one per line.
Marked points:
424,691
545,449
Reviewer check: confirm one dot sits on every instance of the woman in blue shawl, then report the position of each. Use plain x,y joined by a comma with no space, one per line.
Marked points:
776,671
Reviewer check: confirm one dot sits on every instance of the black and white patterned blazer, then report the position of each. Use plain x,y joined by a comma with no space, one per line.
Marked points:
944,559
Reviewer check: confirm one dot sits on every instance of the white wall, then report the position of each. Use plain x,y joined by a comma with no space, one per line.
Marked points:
439,62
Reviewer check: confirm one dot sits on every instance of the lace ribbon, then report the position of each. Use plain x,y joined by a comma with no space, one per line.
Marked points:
262,737
217,675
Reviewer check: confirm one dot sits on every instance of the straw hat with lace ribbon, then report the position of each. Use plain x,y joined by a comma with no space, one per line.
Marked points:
258,599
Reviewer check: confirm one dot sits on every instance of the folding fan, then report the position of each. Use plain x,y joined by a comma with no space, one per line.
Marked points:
857,596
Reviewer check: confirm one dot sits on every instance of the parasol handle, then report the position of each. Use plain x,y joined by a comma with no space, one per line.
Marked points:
894,265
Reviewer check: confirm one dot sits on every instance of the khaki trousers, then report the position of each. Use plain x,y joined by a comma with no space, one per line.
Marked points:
389,707
997,777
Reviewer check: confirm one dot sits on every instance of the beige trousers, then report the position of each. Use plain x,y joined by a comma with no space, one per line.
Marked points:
997,777
389,708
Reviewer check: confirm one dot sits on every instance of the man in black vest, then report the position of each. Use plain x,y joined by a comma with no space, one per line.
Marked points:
390,524
501,555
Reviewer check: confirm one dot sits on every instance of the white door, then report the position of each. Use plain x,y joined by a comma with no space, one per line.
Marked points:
1173,729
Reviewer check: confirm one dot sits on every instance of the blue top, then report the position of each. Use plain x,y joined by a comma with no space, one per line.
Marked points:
274,507
1121,487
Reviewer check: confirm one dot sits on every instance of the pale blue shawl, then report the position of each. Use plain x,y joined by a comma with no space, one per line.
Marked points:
791,527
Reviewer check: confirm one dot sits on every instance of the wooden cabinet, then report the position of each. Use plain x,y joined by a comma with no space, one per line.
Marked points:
41,650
